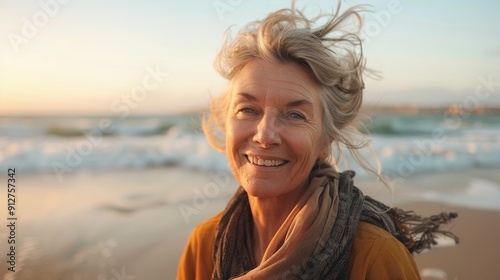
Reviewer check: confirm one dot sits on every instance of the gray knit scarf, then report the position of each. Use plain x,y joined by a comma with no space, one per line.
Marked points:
233,251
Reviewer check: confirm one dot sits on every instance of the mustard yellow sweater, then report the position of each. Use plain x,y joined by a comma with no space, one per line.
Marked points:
375,254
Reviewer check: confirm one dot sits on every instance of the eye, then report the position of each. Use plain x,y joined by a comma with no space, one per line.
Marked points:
246,110
296,115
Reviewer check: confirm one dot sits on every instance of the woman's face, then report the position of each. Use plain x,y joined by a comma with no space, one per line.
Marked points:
273,128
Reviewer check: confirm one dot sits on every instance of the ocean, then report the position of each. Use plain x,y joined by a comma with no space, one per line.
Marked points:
407,145
404,143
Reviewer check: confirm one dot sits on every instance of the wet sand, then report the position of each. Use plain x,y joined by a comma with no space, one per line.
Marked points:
106,225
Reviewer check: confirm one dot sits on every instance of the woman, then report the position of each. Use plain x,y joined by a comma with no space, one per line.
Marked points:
293,92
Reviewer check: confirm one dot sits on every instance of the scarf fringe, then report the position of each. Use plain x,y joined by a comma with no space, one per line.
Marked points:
409,225
417,233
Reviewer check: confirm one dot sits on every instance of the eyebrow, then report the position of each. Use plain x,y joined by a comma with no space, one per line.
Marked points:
248,96
300,102
294,103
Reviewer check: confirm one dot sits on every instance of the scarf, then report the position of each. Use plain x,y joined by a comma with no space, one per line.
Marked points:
315,240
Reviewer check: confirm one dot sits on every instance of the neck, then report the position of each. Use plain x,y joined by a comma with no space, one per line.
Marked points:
268,215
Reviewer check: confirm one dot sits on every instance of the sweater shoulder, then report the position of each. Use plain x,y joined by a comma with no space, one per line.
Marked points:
376,254
196,261
208,226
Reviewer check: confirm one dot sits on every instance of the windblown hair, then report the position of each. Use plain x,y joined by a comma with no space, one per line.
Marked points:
331,53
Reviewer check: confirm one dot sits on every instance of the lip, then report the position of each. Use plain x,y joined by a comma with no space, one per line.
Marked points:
269,161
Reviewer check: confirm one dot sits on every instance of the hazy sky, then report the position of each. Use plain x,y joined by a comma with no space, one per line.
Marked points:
89,56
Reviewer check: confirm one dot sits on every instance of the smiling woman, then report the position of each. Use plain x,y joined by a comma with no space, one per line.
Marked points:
294,91
274,112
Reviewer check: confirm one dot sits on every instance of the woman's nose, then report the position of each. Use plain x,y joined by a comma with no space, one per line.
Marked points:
268,134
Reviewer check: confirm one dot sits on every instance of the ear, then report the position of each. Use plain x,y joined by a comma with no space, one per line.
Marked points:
325,145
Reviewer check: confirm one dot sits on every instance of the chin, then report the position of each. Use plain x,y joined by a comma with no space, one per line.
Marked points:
262,190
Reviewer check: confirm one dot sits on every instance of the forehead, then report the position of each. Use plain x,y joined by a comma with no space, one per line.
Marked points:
260,77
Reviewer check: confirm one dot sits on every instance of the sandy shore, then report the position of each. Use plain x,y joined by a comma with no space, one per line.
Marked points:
97,225
477,255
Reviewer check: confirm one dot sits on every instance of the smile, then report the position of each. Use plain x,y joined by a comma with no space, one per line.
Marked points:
264,162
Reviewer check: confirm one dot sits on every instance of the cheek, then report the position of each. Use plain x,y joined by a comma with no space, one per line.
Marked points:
310,138
235,137
230,145
231,154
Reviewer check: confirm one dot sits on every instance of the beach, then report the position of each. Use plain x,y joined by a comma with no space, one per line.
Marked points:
477,255
135,223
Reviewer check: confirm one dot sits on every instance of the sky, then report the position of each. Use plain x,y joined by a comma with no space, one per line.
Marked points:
61,57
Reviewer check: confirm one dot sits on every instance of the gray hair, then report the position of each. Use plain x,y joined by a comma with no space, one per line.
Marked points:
332,54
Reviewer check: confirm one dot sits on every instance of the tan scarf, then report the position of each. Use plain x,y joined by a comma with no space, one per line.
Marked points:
315,240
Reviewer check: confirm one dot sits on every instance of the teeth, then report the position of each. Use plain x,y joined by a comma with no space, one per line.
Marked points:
267,162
